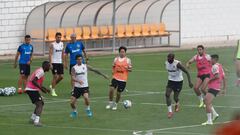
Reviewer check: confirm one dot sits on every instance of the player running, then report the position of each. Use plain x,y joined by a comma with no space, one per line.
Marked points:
34,85
74,48
80,79
56,56
121,67
214,86
204,68
175,82
25,51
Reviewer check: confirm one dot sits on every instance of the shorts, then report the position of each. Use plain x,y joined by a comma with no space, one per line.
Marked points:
34,96
70,68
213,91
77,92
204,76
24,69
175,85
57,69
120,85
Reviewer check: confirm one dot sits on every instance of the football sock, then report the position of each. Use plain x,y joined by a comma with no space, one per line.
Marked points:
209,116
33,116
170,108
37,118
213,111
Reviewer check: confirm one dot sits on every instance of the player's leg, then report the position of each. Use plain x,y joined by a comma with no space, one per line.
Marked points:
198,92
120,88
168,100
205,84
208,102
26,74
87,103
112,87
73,101
38,110
20,82
176,99
53,84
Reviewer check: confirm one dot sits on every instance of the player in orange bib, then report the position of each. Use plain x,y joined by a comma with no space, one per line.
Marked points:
121,66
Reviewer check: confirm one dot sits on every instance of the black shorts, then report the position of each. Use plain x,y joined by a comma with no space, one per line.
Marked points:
24,69
34,96
77,92
57,69
174,85
70,68
213,91
204,76
120,85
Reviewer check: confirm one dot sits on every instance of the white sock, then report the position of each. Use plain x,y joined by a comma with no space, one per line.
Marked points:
33,116
110,102
214,112
209,116
88,107
200,98
37,118
170,108
53,90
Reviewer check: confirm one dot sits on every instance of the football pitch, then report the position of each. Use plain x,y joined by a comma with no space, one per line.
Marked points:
145,88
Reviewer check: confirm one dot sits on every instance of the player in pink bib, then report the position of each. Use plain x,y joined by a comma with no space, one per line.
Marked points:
34,85
217,78
203,72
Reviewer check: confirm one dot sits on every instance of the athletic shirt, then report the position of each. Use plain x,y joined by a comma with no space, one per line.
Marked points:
57,52
74,49
25,51
120,66
216,84
39,73
203,64
174,73
81,74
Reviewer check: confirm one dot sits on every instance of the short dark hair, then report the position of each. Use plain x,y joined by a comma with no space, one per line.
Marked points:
171,55
45,63
27,36
58,34
200,46
122,47
77,56
215,56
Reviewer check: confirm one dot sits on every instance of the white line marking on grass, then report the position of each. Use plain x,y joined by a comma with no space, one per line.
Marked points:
182,127
182,133
67,127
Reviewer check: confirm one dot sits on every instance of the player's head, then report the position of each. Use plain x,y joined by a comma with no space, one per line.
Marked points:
58,37
79,59
122,51
27,39
73,37
170,57
200,49
214,58
46,66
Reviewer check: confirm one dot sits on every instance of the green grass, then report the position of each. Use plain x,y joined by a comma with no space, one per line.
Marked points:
146,87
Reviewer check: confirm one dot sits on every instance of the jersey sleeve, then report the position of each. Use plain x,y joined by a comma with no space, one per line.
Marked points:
129,62
39,74
114,61
208,57
215,69
67,49
19,49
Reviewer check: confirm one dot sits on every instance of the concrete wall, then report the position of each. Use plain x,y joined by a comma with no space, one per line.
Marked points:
202,21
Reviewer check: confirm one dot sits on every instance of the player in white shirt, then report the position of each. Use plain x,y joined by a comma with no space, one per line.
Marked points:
175,82
56,55
80,78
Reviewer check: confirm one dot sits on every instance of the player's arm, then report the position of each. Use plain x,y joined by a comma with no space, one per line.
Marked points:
85,54
16,58
129,68
66,57
50,53
187,73
73,76
224,91
190,62
43,89
97,72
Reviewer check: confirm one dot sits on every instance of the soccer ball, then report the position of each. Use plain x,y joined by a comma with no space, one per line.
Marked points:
127,104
